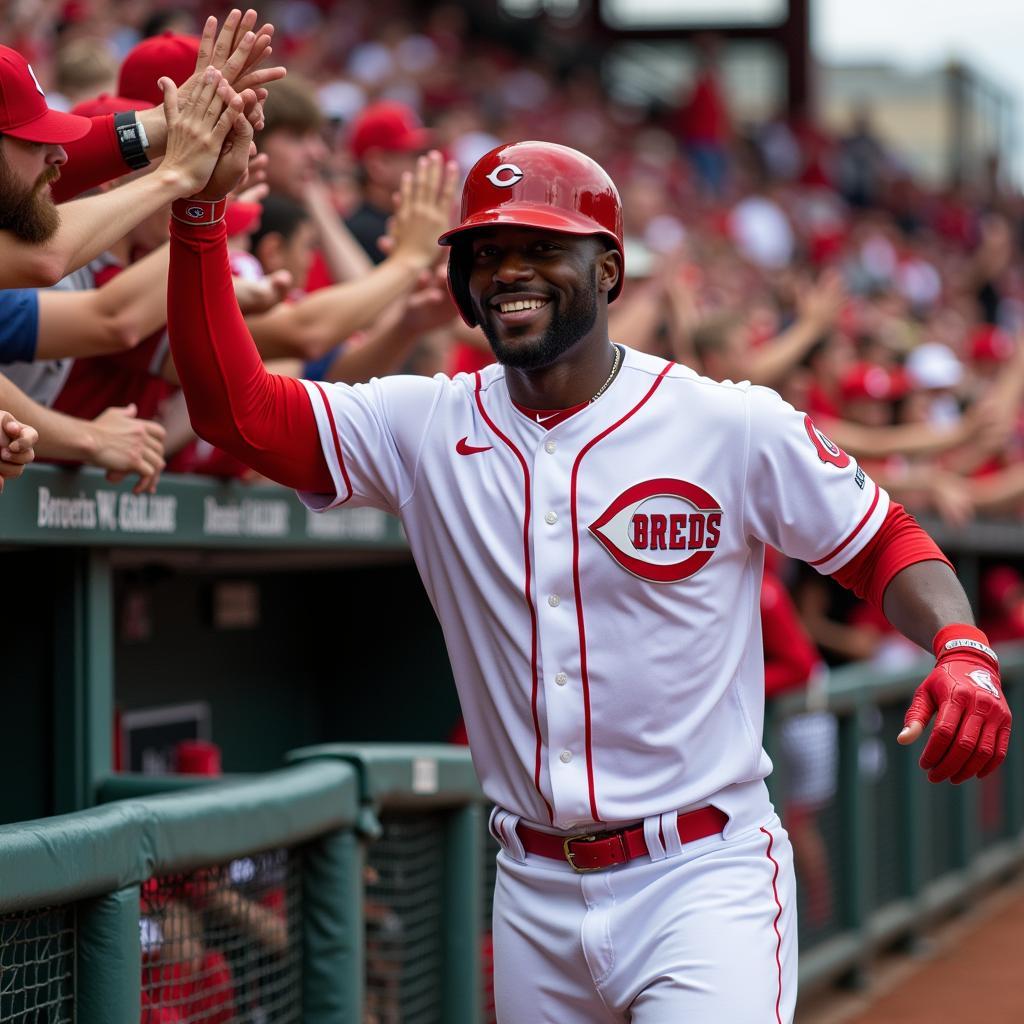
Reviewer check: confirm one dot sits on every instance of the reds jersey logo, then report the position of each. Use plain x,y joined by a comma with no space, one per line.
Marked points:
828,450
661,530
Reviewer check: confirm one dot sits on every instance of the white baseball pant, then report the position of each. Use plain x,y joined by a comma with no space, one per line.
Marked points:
704,934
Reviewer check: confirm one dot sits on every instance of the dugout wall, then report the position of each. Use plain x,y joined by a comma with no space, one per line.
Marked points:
278,625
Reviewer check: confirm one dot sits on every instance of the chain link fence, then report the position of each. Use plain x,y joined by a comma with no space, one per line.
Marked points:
223,944
37,966
404,920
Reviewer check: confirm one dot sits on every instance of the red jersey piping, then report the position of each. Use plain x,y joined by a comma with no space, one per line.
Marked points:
527,587
337,441
775,923
860,526
576,582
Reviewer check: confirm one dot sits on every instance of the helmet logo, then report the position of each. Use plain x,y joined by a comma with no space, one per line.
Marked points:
505,176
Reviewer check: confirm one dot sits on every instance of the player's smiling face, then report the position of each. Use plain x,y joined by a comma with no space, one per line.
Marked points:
535,292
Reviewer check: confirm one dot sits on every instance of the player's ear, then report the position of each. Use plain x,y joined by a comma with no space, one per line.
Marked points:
609,270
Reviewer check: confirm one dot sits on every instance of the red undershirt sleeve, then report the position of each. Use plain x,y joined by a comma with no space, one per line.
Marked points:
898,543
264,420
92,160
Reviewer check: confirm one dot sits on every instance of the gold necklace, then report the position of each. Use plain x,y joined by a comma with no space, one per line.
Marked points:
611,376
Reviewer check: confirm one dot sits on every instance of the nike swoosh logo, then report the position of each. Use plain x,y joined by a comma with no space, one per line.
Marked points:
544,419
467,449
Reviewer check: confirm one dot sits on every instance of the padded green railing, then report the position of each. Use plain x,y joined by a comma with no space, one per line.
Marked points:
880,851
373,855
221,902
427,937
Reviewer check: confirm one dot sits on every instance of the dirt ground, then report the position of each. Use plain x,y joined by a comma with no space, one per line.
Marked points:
970,970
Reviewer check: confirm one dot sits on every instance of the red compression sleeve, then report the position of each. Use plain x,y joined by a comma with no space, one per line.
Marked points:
264,420
898,543
92,160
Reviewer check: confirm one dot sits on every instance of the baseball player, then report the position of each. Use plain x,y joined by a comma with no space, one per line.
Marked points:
589,523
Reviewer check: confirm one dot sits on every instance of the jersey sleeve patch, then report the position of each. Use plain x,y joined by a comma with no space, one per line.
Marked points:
828,451
803,494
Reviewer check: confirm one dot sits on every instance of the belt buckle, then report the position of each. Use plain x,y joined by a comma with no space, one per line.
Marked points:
591,838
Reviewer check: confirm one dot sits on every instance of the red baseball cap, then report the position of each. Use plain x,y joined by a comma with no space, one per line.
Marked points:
868,380
242,217
166,55
23,110
991,345
388,125
107,104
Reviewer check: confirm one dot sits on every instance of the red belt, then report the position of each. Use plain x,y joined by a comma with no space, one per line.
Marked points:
605,849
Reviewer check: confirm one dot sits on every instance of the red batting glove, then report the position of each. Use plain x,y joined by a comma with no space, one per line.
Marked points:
972,724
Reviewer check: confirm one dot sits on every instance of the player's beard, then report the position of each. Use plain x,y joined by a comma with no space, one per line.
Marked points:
28,213
564,330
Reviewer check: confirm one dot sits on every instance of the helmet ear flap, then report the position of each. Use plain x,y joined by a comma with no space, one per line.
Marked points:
458,285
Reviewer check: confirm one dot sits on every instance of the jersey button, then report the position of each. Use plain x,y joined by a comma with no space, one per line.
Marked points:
554,600
551,518
549,447
565,756
561,679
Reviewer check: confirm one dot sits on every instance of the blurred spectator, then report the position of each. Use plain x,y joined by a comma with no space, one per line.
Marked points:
704,121
285,237
861,162
385,140
1002,604
291,137
84,68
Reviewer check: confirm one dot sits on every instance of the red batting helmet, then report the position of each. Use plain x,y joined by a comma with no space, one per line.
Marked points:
535,185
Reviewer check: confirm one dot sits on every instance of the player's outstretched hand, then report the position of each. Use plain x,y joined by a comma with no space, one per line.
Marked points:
972,724
424,211
197,130
232,168
124,444
17,447
237,52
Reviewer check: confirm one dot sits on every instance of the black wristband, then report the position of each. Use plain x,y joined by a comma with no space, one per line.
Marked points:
130,141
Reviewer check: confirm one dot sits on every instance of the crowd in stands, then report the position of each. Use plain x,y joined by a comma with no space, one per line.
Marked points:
775,252
811,263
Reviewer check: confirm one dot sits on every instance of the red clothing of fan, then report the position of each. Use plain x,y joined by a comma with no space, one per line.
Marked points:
99,382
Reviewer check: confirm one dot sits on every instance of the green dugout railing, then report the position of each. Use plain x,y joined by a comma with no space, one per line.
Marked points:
354,884
425,906
219,903
881,852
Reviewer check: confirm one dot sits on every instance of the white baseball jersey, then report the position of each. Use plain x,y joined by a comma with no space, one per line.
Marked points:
597,583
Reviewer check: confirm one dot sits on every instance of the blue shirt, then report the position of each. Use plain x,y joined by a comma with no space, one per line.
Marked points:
19,324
